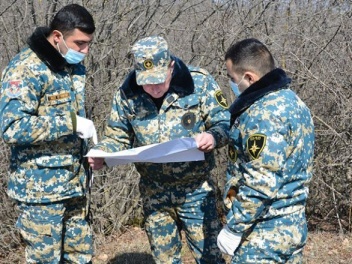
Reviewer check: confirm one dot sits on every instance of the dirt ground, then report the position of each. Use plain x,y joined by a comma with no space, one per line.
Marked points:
132,248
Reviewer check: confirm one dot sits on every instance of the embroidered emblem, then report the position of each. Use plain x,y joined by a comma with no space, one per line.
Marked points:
232,153
188,120
220,98
13,88
255,145
148,64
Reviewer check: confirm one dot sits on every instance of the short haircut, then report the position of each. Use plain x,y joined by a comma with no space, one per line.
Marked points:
71,17
250,55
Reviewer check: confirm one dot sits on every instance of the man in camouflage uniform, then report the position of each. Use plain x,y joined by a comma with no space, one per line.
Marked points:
42,120
162,99
270,161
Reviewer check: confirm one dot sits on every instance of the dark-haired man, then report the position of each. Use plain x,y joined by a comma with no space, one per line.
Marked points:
42,119
270,161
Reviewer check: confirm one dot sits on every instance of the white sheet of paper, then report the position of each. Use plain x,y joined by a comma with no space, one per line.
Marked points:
177,150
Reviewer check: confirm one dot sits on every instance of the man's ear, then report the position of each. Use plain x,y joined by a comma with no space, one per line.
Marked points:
56,36
171,66
251,77
172,63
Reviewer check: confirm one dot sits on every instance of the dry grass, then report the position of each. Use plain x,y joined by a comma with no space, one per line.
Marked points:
132,248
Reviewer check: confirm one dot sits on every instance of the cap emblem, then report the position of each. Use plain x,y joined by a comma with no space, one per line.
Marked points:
148,64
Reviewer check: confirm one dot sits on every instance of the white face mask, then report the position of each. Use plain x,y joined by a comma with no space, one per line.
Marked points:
72,56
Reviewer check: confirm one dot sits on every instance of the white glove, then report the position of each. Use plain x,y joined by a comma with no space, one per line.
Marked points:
85,129
228,241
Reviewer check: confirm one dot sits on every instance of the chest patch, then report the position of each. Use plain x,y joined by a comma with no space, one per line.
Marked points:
188,120
58,96
220,98
255,145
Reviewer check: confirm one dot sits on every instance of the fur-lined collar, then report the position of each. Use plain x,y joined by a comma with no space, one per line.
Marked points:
271,82
181,82
45,51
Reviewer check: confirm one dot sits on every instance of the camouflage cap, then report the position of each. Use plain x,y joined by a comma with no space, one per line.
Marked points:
152,59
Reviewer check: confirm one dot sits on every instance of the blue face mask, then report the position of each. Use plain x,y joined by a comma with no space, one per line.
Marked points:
235,88
72,56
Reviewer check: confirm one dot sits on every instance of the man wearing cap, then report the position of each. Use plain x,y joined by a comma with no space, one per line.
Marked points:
163,99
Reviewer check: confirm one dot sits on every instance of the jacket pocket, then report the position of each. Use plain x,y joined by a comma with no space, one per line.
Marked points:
53,177
190,102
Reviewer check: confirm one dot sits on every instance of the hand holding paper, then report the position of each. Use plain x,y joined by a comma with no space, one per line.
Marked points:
96,163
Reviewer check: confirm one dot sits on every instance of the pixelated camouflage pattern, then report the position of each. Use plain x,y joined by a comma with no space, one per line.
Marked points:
274,184
48,239
136,122
278,240
191,207
46,156
181,189
152,59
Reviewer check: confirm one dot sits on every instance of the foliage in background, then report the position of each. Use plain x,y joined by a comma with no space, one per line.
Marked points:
310,39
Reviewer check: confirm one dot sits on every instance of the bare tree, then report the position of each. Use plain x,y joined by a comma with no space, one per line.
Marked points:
310,39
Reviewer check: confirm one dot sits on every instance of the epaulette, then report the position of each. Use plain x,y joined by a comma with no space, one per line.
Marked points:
200,70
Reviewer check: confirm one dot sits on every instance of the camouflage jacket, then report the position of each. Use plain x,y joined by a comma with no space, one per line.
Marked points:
270,152
193,104
38,93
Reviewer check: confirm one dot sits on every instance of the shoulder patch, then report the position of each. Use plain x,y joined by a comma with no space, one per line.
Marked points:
255,145
220,98
13,88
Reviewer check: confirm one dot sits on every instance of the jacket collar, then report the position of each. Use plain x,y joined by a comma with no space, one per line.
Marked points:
45,51
271,82
181,81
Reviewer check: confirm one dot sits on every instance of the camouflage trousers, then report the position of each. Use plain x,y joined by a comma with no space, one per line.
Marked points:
189,208
277,240
57,232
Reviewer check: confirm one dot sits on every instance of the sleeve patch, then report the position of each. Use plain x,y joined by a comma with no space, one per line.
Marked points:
255,145
220,98
13,88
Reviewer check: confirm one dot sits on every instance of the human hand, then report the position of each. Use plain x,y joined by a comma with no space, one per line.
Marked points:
228,241
230,197
86,129
96,163
231,194
205,142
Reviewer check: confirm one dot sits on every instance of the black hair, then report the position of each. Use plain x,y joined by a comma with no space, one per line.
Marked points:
71,17
250,54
